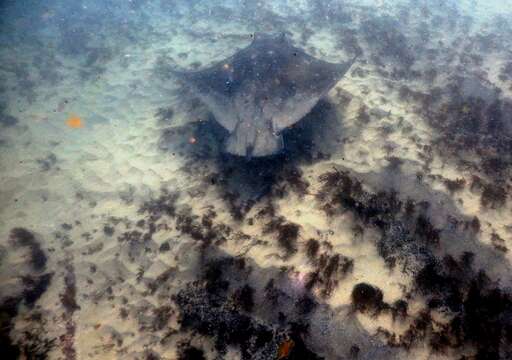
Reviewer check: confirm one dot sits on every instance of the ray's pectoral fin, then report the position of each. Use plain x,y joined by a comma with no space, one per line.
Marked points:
261,90
249,140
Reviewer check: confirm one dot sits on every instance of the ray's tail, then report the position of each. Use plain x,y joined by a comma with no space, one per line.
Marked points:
250,141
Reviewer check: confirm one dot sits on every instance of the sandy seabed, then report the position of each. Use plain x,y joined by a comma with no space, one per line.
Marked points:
382,232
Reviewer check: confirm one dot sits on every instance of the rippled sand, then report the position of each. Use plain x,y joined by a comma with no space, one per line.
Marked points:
383,232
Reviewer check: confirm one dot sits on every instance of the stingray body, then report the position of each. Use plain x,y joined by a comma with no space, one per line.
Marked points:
261,90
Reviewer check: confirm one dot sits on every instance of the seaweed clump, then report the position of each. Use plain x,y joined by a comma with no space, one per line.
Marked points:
23,238
383,34
202,228
287,234
498,242
220,303
474,124
189,352
31,343
290,177
493,196
454,185
8,311
312,247
406,231
329,269
244,298
478,309
367,298
165,204
210,315
35,287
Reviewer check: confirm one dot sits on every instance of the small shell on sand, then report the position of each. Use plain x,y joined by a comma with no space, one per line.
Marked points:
74,122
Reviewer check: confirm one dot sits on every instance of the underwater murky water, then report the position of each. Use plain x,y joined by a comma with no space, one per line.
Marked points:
255,180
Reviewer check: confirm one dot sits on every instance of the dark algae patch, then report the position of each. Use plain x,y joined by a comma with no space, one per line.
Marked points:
329,269
216,309
23,238
189,352
367,298
286,233
473,128
33,343
478,309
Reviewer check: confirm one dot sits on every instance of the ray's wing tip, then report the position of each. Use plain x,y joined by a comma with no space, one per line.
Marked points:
345,66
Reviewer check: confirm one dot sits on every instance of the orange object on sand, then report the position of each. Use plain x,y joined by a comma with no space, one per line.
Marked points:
285,348
74,122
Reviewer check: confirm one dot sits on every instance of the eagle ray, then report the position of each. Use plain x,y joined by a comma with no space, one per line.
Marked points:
262,90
